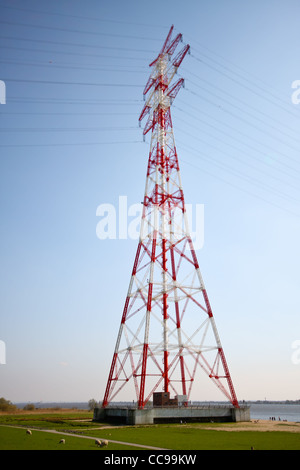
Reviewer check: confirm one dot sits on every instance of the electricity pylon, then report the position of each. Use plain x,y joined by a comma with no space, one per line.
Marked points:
167,331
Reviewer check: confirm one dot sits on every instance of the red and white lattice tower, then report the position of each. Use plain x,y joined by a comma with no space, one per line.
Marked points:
167,332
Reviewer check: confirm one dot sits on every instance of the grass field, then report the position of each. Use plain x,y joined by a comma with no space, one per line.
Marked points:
197,437
79,432
17,439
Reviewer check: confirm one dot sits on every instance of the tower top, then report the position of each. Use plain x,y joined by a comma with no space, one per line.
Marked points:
161,76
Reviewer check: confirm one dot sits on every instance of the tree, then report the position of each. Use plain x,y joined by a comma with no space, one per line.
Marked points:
6,405
29,407
92,404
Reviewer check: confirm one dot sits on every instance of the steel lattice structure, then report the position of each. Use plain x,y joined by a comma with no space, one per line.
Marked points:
167,331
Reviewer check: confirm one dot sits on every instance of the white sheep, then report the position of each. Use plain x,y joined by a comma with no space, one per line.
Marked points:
29,432
62,441
100,443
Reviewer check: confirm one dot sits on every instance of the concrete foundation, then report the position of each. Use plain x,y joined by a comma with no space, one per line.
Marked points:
217,413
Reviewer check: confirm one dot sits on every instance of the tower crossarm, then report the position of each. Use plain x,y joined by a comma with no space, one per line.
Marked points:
160,95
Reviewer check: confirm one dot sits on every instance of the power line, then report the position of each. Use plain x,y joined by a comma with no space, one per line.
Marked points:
104,20
249,146
245,177
247,122
90,46
85,129
246,106
83,54
242,189
244,75
78,31
74,101
244,112
51,65
252,157
111,142
53,82
66,129
45,113
235,80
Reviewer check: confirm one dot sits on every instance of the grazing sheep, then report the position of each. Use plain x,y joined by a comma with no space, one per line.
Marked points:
29,432
62,441
101,443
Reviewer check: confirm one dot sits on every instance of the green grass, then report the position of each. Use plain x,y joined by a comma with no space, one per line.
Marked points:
17,439
167,436
55,420
190,438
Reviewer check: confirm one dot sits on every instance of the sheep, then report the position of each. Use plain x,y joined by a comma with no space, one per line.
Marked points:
100,443
29,432
62,441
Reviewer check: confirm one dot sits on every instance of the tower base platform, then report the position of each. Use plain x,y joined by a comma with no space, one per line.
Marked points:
211,413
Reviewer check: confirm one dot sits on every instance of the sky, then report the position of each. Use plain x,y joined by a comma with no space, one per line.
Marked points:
74,75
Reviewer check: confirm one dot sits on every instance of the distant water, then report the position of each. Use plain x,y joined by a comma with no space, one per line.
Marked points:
277,410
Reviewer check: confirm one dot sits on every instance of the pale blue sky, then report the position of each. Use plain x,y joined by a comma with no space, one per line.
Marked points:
70,141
